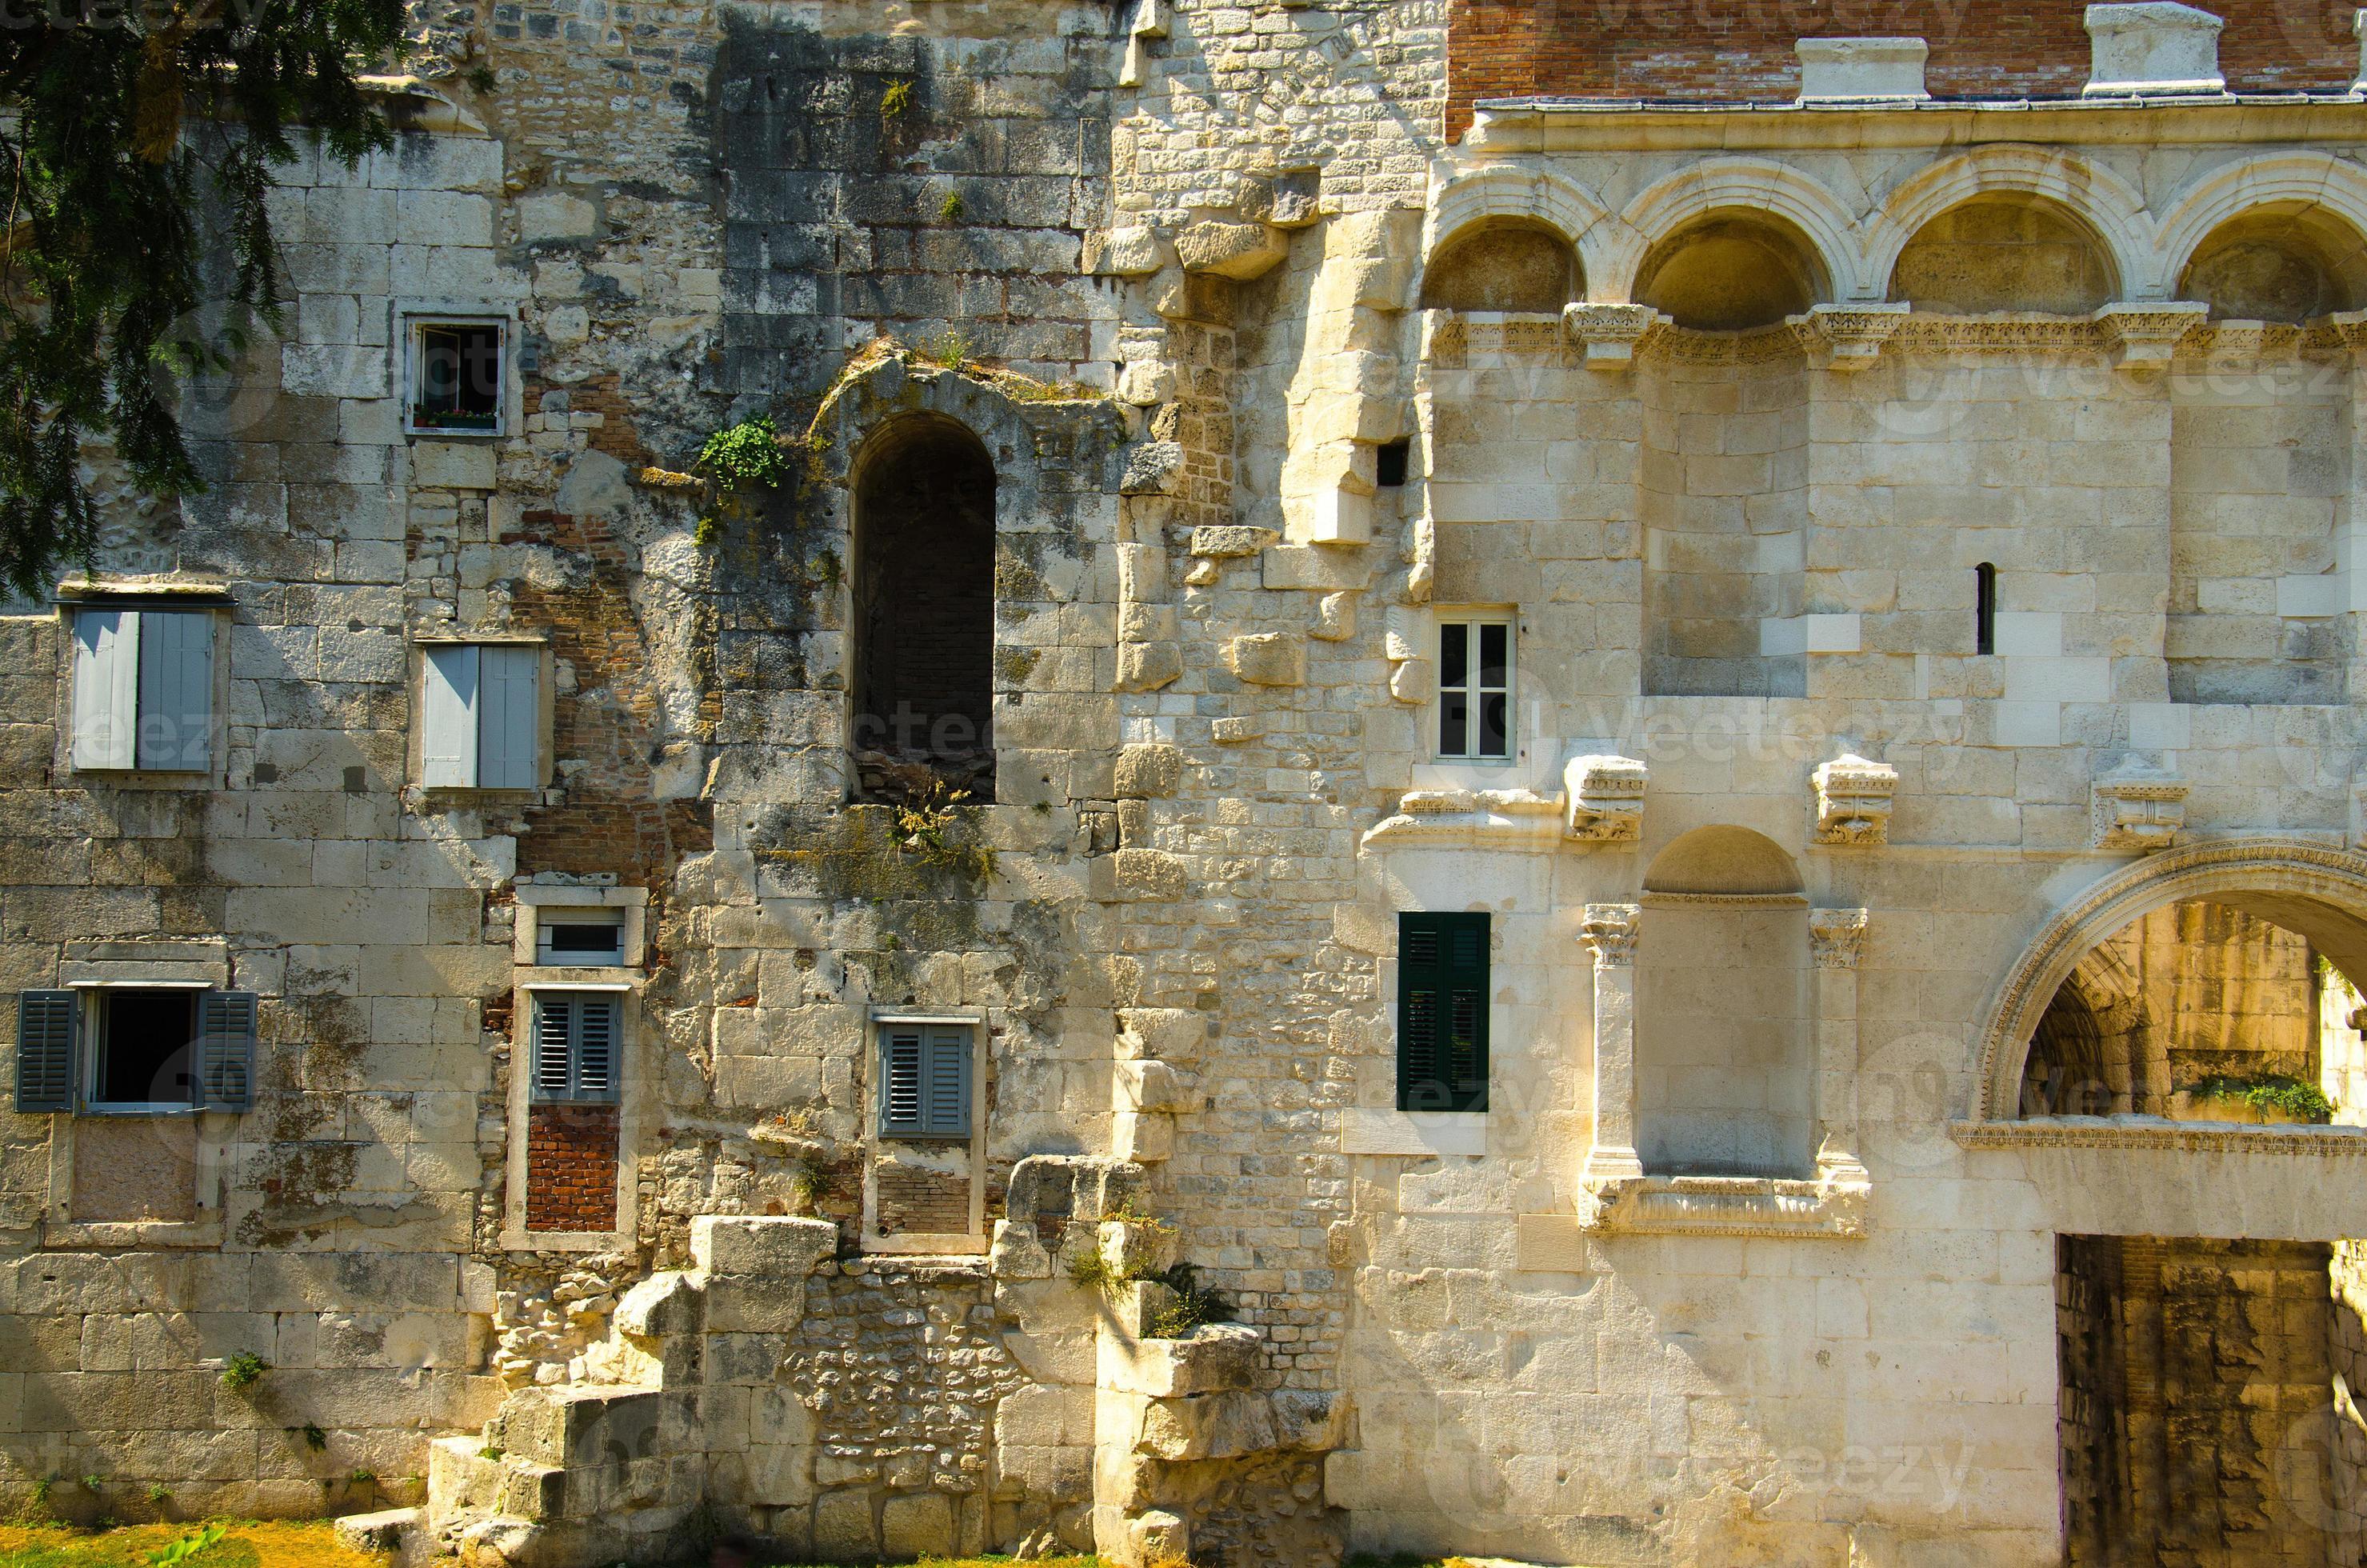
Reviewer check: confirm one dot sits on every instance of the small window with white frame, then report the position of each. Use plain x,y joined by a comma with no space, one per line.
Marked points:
581,936
480,716
456,374
1475,687
144,689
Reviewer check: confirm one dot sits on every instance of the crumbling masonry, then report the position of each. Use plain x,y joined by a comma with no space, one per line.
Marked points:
1459,776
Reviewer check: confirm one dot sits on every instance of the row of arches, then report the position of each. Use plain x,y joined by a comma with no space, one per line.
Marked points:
1740,242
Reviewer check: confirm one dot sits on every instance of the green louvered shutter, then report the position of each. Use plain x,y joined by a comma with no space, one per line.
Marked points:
226,1021
1442,1012
945,1100
45,1051
902,1069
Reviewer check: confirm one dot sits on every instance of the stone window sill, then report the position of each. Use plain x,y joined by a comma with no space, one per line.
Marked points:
564,1240
1724,1206
923,1244
1419,1135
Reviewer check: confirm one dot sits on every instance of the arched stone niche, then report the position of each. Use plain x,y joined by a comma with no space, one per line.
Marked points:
1504,264
2005,251
1732,270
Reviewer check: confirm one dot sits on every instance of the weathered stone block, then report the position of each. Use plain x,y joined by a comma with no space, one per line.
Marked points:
1269,658
1239,251
1148,772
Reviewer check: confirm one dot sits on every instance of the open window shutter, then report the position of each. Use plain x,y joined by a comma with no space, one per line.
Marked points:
226,1022
945,1111
106,689
45,1051
447,717
554,1041
1442,1012
596,1047
509,729
902,1071
176,690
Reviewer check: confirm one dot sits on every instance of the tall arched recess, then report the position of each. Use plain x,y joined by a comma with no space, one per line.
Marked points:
922,630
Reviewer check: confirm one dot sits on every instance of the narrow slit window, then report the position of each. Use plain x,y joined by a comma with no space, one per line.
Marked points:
456,378
1474,689
1391,463
1985,608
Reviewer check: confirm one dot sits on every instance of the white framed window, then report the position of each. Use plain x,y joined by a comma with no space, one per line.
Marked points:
480,716
455,375
581,936
144,689
579,1046
1475,687
135,1050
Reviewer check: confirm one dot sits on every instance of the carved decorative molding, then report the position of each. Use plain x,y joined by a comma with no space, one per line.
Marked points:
1854,801
1724,1206
1652,900
1849,337
1837,937
1612,334
1607,799
1610,932
2138,809
2158,1133
1480,819
2143,338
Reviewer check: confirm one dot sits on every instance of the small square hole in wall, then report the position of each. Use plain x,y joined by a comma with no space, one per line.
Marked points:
456,378
580,937
1391,463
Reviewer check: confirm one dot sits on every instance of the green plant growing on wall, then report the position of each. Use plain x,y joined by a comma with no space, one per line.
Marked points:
2267,1092
895,100
157,1493
241,1370
951,209
315,1438
733,461
1194,1305
951,351
810,1184
927,822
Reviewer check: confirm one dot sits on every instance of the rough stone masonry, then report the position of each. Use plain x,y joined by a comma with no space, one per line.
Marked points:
1570,781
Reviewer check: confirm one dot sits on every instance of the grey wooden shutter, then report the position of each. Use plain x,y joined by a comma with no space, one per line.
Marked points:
509,718
902,1071
176,690
447,717
596,1047
45,1051
944,1110
106,689
554,1047
1442,1012
226,1026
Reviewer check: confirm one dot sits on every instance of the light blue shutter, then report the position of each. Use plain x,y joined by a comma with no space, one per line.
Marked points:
45,1051
509,727
596,1047
945,1107
106,689
554,1041
902,1071
447,717
226,1022
176,690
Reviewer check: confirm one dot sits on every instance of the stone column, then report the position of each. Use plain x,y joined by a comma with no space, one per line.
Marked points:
1836,938
1611,933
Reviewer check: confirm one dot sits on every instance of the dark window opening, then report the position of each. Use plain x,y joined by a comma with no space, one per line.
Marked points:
1475,679
457,381
1442,1012
924,614
1985,608
1392,463
581,936
145,1040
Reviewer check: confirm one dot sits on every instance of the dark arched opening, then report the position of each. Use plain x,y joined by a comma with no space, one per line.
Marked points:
924,656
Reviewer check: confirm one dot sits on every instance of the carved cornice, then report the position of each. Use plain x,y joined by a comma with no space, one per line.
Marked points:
1854,801
1654,899
1607,799
1724,1206
1848,337
2138,809
1473,819
2158,1132
1610,932
1612,334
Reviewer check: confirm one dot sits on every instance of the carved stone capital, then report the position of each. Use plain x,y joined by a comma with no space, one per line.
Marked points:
1611,333
1610,932
1849,337
2143,338
1605,796
1837,937
1854,801
2138,809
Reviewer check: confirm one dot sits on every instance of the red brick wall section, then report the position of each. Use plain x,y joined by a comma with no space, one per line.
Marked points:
570,1168
1716,49
922,1202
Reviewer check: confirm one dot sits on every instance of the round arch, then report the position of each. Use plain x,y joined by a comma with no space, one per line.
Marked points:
2099,201
2290,182
1498,193
2304,886
1737,185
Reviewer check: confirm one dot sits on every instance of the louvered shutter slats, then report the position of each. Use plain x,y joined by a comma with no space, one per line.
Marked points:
1442,1012
947,1113
45,1051
226,1028
902,1069
578,1047
596,1048
925,1080
554,1027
